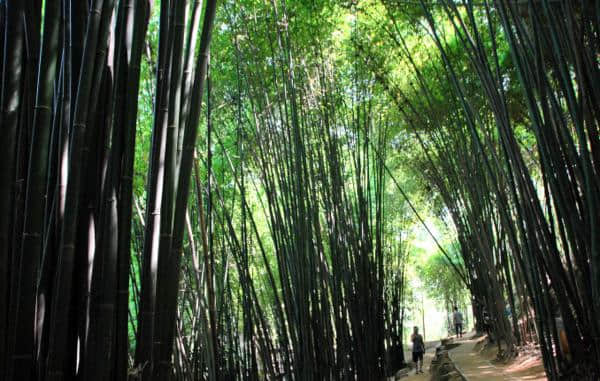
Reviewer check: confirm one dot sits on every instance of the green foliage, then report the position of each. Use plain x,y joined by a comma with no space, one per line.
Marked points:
441,282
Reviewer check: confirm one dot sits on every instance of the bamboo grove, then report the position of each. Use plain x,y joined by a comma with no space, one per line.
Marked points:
526,218
224,190
70,73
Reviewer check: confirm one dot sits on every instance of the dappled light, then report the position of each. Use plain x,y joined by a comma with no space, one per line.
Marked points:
299,190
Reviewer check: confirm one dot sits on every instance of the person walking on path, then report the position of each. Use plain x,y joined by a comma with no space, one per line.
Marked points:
418,349
458,321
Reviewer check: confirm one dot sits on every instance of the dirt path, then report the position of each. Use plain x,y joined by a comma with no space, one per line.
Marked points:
476,366
429,353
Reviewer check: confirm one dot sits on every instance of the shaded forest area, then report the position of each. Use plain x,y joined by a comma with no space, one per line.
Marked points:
225,190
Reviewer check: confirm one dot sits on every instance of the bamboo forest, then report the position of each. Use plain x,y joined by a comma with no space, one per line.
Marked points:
299,190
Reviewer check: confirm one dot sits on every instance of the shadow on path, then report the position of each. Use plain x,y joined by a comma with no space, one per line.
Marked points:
476,367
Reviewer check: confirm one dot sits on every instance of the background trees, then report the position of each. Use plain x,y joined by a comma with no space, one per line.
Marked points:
249,211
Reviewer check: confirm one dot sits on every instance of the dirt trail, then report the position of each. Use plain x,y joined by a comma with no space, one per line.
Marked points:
477,366
429,353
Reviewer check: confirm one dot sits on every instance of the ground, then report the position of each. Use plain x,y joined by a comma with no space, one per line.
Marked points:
429,352
476,363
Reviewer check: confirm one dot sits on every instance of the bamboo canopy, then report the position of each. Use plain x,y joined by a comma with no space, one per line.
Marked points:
230,190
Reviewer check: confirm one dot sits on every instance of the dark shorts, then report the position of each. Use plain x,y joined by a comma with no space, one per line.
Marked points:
417,356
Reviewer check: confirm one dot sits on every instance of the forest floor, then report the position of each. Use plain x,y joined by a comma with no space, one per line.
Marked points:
476,361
